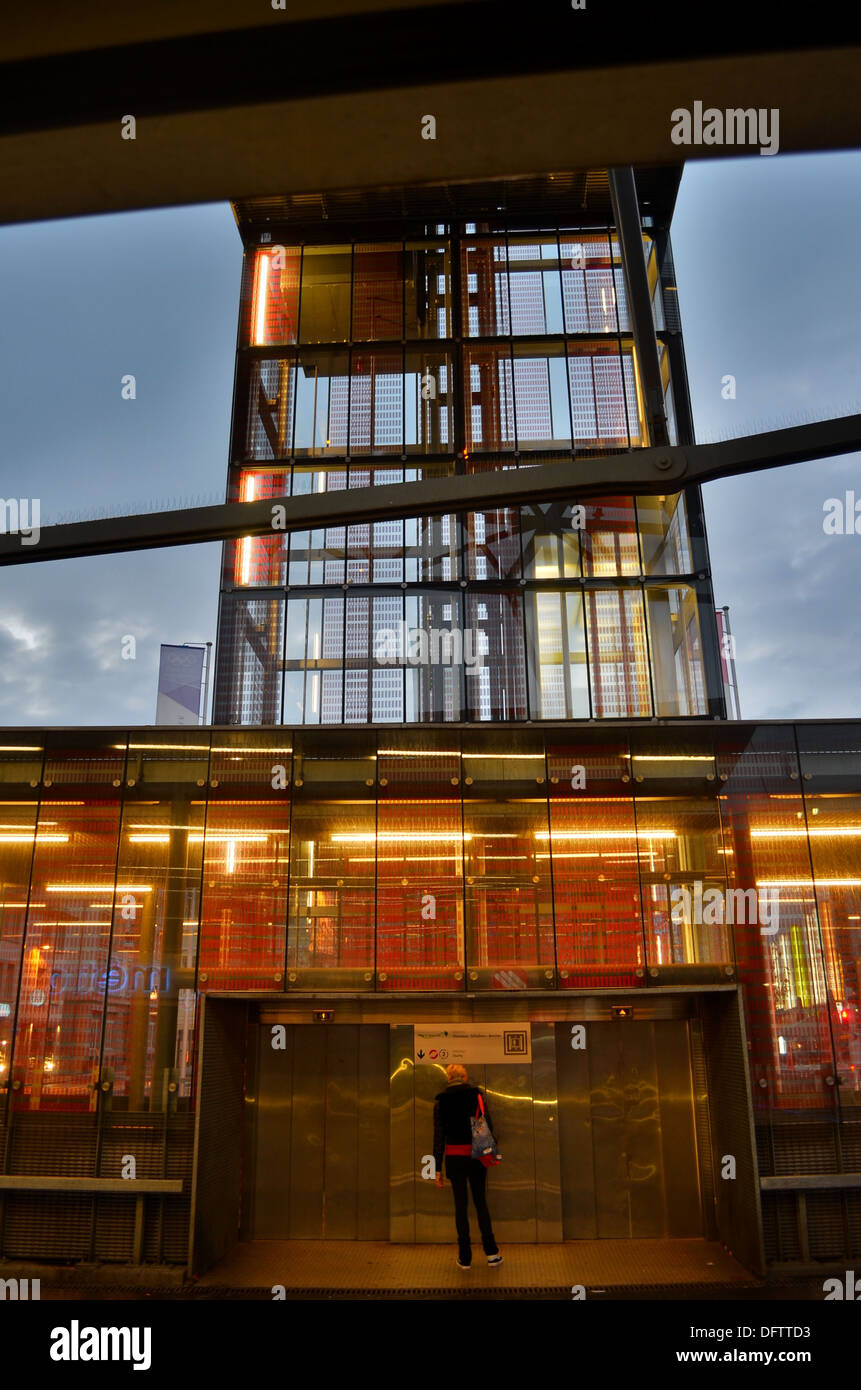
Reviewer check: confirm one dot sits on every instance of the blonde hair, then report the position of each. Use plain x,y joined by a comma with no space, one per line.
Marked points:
456,1072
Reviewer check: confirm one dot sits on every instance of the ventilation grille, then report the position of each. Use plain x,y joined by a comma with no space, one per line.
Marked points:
101,1226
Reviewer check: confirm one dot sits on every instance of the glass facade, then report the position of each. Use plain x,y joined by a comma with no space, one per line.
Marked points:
138,871
467,349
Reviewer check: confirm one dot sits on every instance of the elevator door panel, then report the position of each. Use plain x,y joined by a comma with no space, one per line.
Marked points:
322,1134
522,1192
511,1185
626,1131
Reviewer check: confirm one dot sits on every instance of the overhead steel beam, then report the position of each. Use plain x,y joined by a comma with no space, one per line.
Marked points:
336,101
644,471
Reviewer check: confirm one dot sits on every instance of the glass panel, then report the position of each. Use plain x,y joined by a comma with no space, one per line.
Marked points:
427,290
509,906
244,909
387,545
783,970
666,381
158,759
249,670
551,540
318,556
376,402
831,767
493,544
83,757
265,407
322,403
332,873
665,534
17,838
489,398
534,285
593,843
378,291
375,642
609,534
21,759
494,657
432,653
432,548
313,660
258,560
541,396
650,254
619,668
484,270
683,866
678,675
419,870
150,1018
557,649
325,303
64,977
428,403
593,290
275,296
604,396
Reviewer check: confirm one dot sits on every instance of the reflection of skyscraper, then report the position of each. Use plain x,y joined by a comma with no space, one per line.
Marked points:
443,348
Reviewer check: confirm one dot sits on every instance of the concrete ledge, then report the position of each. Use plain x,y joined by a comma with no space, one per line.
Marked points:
133,1187
810,1182
78,1279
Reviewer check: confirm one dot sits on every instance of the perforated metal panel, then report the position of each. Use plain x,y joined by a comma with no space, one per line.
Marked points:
826,1225
853,1221
216,1197
42,1142
737,1205
780,1227
803,1144
102,1225
47,1227
702,1122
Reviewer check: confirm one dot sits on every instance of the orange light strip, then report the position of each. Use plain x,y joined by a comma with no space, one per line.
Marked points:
26,838
261,296
606,835
774,832
250,490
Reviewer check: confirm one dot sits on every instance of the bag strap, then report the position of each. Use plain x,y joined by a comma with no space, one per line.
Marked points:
480,1110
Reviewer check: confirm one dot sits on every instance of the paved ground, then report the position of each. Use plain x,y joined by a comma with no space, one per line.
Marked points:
666,1270
372,1265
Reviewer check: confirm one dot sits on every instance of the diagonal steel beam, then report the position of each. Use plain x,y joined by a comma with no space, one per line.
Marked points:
629,227
644,471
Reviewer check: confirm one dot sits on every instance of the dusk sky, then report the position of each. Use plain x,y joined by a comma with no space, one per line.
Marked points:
762,249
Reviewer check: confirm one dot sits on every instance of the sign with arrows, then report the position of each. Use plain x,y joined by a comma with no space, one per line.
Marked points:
438,1044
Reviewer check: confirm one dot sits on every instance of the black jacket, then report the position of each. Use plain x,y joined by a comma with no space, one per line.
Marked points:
453,1109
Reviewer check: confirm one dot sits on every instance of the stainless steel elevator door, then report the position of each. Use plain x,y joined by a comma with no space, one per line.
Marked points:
626,1131
523,1191
321,1146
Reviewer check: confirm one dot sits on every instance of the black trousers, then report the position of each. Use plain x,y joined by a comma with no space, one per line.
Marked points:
466,1172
